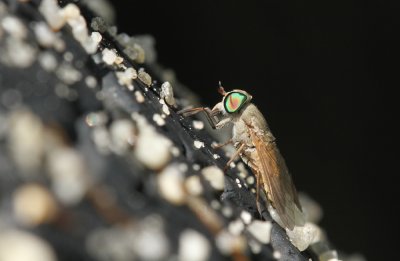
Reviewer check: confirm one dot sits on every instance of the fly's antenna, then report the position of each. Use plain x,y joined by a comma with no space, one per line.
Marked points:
221,89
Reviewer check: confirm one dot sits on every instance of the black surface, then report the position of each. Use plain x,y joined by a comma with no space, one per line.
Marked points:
323,72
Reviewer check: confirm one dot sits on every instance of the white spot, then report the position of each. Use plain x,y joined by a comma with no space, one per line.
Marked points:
14,27
34,205
250,180
157,118
20,246
150,242
236,227
277,255
91,81
109,56
139,97
165,109
68,175
193,185
144,77
183,167
167,93
96,37
261,230
52,13
303,236
196,167
227,211
47,61
215,204
216,156
170,183
232,165
175,151
214,176
228,243
44,34
199,125
255,246
150,143
246,217
193,246
198,144
123,135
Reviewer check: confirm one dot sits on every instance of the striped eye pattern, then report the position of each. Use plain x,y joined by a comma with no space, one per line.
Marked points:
234,101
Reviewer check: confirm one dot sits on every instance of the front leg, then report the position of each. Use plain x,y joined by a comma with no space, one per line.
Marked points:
218,146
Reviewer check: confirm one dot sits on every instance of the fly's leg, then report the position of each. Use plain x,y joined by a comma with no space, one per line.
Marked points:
210,115
235,155
218,146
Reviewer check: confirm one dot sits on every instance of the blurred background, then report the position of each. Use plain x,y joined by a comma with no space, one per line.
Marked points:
322,74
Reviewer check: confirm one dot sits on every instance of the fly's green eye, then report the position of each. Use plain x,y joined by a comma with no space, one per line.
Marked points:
234,101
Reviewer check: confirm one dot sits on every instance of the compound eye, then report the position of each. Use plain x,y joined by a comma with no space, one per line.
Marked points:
234,101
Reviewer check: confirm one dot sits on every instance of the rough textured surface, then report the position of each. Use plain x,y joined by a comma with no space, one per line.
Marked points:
109,157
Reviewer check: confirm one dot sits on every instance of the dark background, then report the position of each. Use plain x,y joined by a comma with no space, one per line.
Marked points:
322,74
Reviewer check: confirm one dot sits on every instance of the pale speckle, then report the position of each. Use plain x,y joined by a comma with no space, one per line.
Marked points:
14,27
236,227
44,34
193,185
91,81
16,245
33,205
198,144
144,77
158,119
150,241
227,211
68,56
232,165
250,180
139,97
242,175
96,118
214,176
167,93
303,236
196,167
198,125
246,217
277,255
175,151
228,243
215,204
170,183
193,246
96,37
47,61
165,109
255,246
261,230
68,175
109,56
216,156
183,167
123,135
150,143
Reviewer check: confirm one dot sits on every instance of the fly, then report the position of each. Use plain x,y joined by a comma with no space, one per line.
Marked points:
257,147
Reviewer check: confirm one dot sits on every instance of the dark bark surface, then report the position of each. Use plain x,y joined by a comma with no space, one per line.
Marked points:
121,213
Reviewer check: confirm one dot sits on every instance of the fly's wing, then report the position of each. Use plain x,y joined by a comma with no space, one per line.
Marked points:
273,169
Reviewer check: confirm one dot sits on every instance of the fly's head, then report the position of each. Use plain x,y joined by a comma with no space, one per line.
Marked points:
232,103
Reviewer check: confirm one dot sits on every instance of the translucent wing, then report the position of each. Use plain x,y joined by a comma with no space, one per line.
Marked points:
279,184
